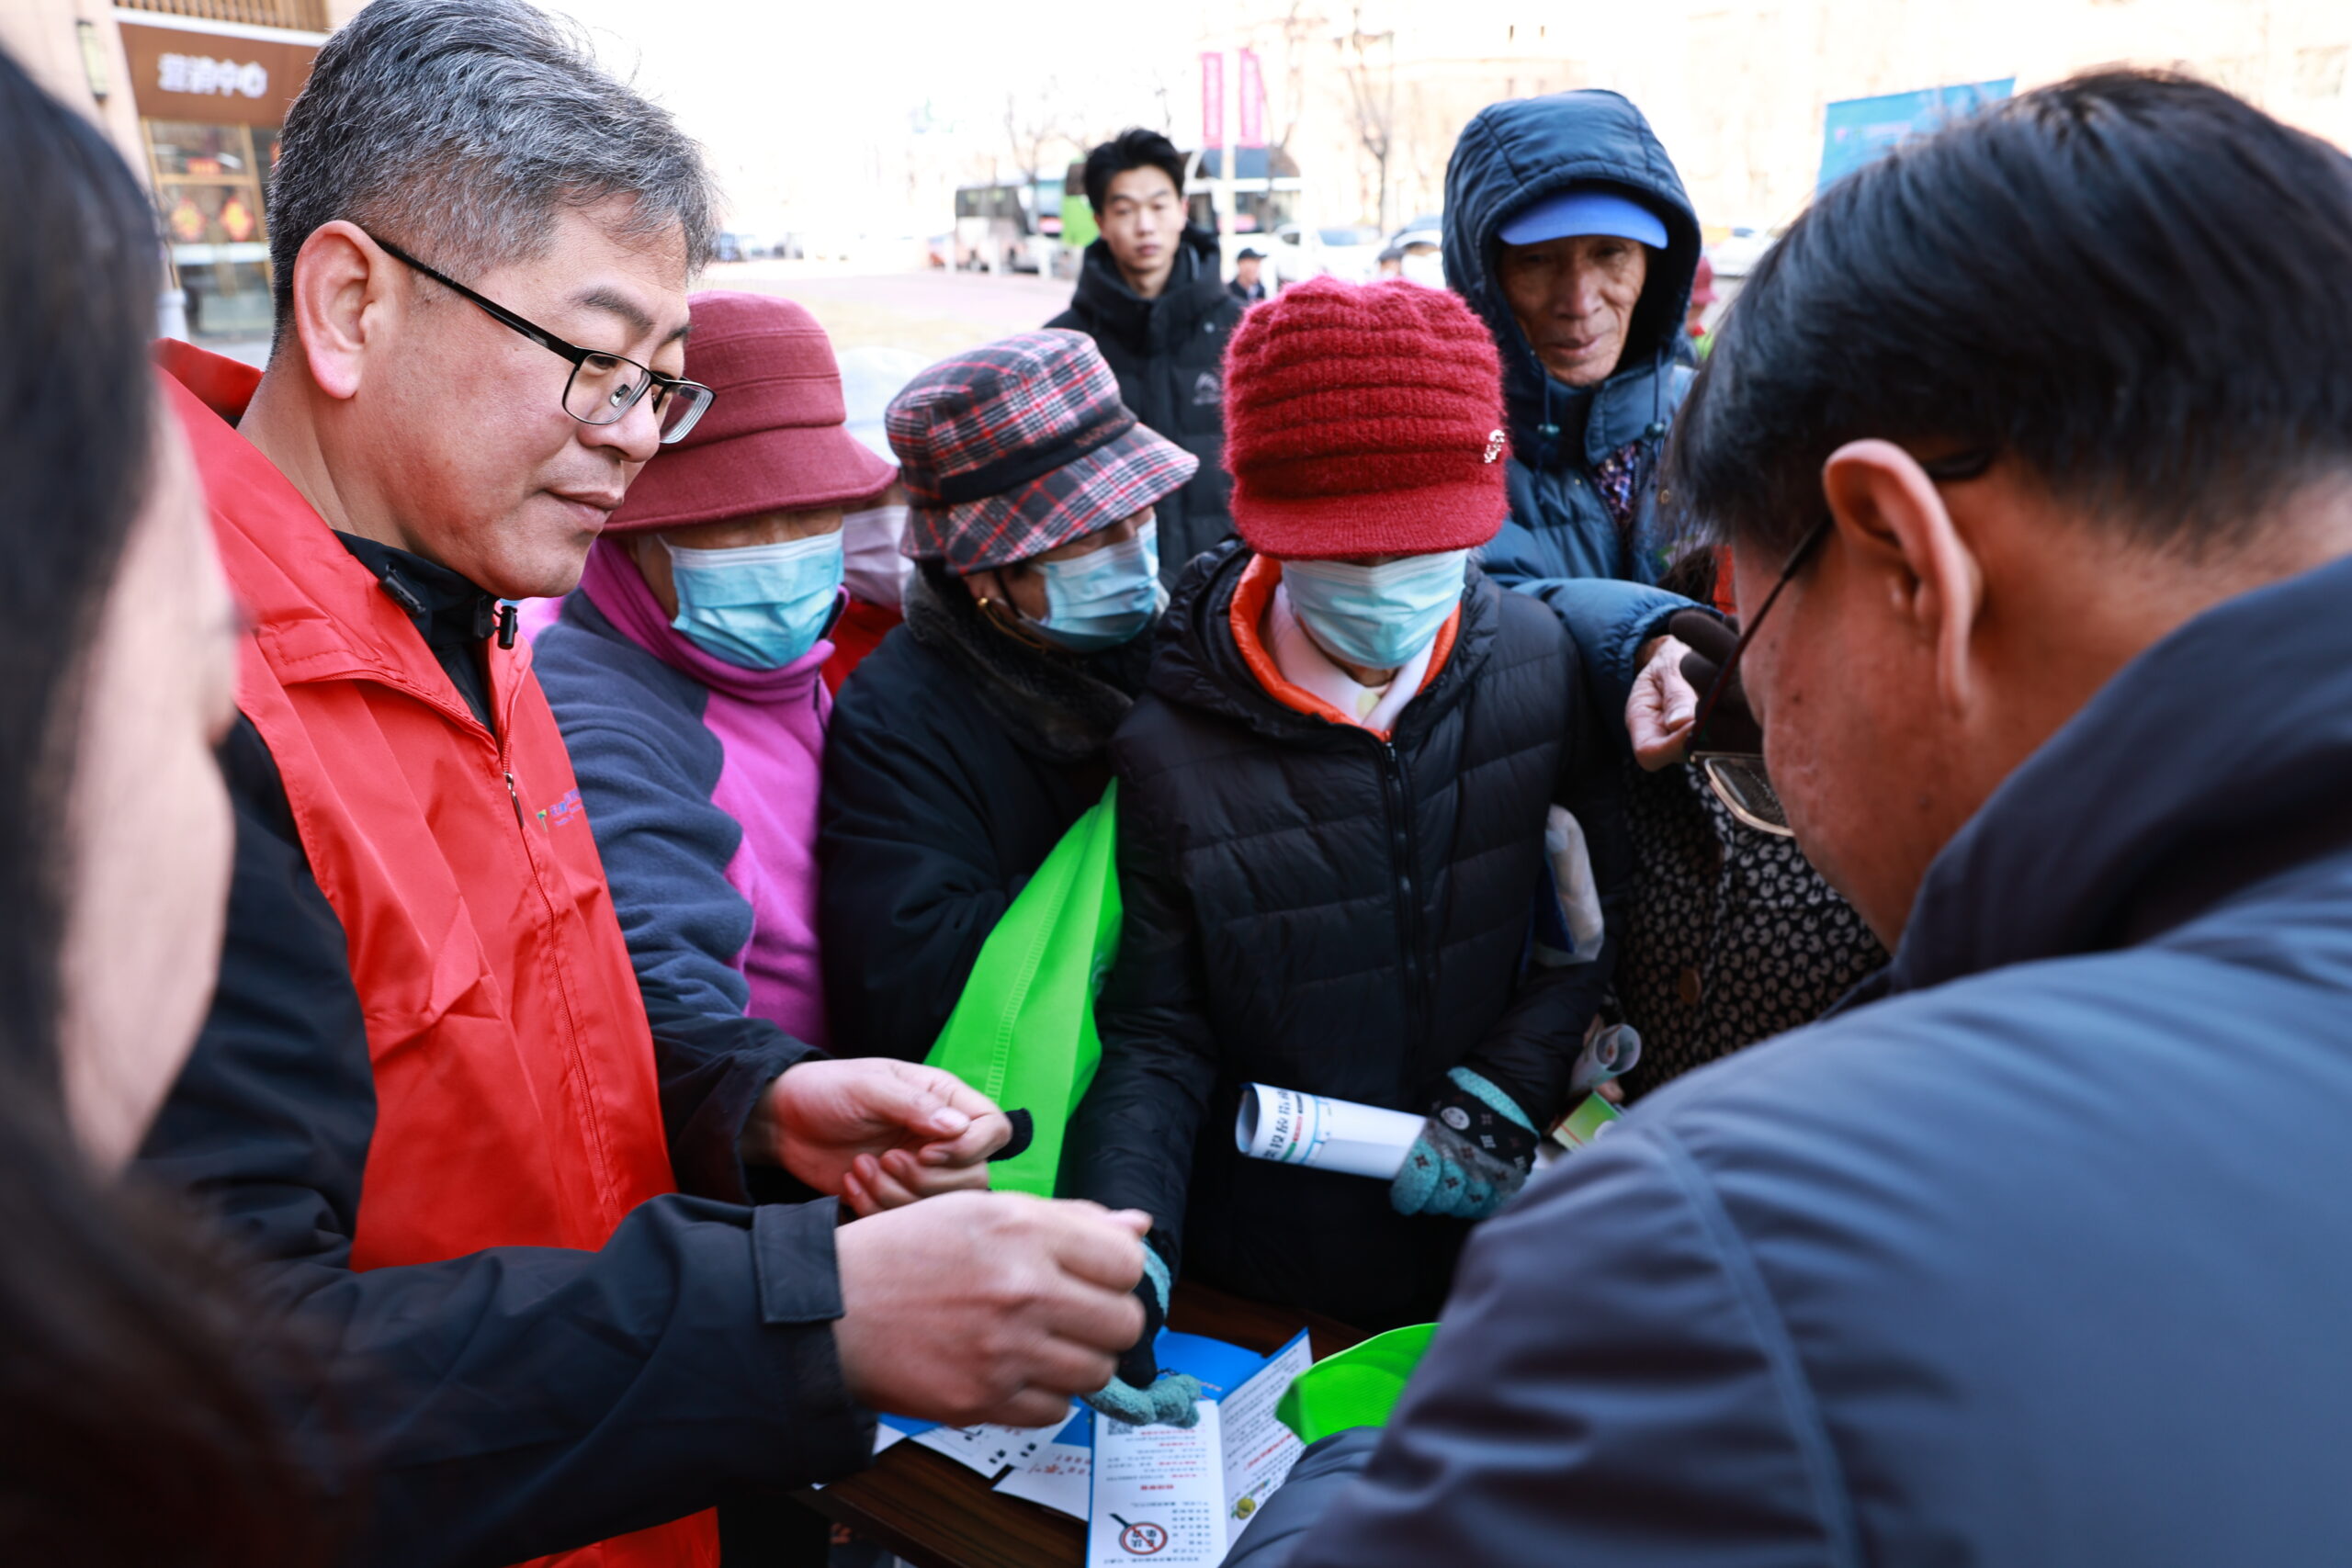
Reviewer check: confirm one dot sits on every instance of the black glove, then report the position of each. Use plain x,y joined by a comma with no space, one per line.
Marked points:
1710,638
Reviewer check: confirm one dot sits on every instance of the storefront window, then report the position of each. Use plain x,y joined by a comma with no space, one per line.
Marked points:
211,182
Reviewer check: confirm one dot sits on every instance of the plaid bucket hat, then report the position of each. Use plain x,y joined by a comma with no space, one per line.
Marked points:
1021,445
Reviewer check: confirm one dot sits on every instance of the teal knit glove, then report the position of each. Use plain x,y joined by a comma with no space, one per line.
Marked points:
1473,1156
1139,1395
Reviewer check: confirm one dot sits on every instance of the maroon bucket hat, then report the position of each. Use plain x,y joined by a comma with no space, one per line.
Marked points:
774,437
1018,446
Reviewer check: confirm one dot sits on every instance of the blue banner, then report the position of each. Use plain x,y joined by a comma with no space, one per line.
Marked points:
1858,130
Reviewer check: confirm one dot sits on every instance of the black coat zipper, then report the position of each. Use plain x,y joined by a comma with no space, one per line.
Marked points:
1411,938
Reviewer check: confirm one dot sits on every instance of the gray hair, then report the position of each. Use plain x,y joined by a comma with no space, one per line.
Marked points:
458,129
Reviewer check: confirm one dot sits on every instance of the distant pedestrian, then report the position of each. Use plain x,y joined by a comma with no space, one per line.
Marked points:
1151,294
1248,285
875,569
1696,339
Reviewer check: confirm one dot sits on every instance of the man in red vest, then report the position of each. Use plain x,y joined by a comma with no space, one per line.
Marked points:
507,1202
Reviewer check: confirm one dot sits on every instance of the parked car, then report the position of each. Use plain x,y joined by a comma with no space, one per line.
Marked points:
1347,251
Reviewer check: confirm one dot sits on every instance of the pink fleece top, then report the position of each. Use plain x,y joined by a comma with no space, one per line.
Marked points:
770,725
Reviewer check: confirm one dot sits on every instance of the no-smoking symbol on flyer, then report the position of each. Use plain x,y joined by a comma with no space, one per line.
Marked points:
1142,1539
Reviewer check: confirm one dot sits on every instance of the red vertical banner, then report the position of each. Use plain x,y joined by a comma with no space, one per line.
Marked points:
1212,98
1252,85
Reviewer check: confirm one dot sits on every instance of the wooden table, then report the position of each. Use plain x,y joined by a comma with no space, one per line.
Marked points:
937,1514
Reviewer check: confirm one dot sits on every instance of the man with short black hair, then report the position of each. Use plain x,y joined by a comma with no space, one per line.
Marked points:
1151,294
502,1196
2033,1253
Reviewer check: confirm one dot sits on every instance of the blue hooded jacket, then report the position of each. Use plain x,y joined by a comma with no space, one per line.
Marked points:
1561,543
2038,1259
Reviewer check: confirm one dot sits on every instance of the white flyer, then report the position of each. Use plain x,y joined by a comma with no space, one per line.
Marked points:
1159,1495
989,1450
1061,1478
1061,1475
1169,1494
1259,1450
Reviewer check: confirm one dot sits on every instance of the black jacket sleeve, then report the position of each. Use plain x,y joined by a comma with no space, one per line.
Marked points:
1133,1135
1531,1050
910,887
520,1400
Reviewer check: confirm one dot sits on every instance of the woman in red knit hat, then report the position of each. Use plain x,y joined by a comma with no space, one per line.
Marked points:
1333,808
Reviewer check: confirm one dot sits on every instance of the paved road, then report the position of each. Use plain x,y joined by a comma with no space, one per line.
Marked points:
932,314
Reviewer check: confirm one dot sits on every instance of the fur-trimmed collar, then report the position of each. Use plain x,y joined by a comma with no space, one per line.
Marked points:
1060,707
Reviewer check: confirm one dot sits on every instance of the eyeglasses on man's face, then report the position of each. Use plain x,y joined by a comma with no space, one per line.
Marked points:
1736,777
603,386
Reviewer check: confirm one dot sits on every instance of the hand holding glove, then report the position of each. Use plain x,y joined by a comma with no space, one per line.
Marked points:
1473,1153
1138,1395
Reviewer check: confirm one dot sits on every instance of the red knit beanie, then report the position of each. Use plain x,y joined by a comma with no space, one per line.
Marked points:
1363,420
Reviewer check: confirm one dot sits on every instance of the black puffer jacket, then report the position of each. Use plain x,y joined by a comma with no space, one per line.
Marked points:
1310,907
956,759
1168,354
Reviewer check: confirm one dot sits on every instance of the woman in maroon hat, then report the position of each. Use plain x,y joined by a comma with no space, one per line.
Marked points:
969,741
1333,805
684,672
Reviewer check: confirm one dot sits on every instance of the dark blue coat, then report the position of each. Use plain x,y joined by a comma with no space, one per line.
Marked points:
2042,1258
1561,543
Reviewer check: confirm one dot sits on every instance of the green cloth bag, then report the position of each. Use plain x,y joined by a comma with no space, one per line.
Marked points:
1358,1387
1022,1033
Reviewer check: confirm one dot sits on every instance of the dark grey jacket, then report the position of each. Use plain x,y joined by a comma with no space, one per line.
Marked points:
2040,1260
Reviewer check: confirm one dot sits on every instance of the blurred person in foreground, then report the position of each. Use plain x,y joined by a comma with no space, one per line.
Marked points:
506,1191
1567,229
2032,1254
875,564
978,732
1151,294
131,1431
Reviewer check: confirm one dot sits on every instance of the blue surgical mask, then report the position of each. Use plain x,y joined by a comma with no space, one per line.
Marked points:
1104,597
1378,616
758,607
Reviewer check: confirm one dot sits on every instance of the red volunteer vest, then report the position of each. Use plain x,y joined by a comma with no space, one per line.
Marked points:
515,1098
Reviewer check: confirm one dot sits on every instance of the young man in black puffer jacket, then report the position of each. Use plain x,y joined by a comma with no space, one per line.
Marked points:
1332,832
1151,294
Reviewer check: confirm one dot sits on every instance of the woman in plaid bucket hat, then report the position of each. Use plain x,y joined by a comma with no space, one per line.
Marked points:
1333,805
966,745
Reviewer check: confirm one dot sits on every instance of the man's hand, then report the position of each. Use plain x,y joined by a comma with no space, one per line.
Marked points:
1659,713
875,1133
987,1306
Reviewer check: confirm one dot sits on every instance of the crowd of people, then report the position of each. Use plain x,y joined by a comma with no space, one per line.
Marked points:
485,909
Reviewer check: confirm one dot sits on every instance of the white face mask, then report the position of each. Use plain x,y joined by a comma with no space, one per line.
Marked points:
872,568
1426,268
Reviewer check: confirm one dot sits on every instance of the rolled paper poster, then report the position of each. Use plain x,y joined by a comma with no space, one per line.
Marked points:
1609,1052
1292,1128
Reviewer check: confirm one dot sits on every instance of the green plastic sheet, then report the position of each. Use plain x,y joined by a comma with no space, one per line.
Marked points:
1022,1033
1357,1387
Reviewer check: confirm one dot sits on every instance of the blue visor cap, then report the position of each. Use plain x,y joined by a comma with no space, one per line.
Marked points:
1586,212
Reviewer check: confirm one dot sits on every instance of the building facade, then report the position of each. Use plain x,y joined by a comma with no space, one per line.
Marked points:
191,93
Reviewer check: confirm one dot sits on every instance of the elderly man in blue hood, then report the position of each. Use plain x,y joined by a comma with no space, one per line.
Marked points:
1567,230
